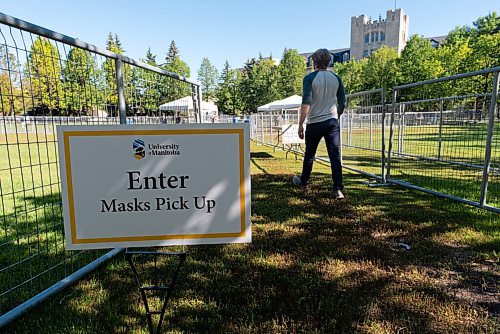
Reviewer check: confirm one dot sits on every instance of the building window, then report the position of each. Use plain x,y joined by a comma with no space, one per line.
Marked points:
367,38
365,53
382,36
376,36
373,37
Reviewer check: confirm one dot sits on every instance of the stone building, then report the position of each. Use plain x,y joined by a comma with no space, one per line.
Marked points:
368,36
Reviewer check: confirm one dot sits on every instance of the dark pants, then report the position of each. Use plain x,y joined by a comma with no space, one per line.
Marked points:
329,130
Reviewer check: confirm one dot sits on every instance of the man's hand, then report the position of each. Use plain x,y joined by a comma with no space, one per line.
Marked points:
301,131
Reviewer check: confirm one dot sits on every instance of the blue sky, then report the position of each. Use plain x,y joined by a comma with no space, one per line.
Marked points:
233,29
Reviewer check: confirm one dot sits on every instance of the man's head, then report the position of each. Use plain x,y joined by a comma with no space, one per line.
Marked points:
321,59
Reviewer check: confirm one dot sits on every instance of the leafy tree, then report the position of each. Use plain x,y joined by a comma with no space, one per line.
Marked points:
351,73
419,61
291,70
10,83
382,70
207,75
260,83
488,25
81,82
44,68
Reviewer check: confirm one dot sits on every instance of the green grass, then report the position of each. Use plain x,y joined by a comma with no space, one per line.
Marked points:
315,265
459,144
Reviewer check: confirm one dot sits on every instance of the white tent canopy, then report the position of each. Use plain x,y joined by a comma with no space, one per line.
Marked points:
264,107
186,104
291,102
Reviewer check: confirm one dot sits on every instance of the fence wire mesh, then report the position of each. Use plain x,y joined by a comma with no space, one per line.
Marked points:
440,136
364,133
44,83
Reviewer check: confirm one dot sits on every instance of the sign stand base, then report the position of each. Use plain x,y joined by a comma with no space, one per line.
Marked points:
155,286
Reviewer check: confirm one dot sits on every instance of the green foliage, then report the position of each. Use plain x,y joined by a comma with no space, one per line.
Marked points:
419,61
44,68
207,74
260,83
150,58
10,83
229,91
351,73
82,82
382,70
113,44
173,89
291,69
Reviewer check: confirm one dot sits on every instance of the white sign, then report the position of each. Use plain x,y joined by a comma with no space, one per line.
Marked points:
155,185
290,134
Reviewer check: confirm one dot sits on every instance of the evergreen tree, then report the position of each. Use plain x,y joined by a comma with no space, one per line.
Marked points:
81,82
207,75
173,52
173,89
229,91
150,58
113,44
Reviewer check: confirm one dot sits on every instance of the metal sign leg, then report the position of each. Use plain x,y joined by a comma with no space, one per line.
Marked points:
165,291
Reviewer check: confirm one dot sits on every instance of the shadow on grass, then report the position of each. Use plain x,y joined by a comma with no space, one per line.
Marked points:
315,265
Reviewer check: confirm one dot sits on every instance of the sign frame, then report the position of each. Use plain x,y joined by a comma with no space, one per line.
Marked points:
67,134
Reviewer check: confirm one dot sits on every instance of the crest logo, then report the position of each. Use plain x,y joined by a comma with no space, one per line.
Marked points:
138,147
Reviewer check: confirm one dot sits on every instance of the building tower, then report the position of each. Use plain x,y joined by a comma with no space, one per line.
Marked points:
368,36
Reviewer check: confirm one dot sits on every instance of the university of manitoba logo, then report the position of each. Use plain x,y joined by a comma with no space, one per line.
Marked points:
139,149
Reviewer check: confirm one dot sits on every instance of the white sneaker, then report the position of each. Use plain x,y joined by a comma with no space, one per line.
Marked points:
338,194
297,181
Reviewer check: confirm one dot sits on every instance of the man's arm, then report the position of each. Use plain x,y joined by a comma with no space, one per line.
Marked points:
304,110
306,103
340,97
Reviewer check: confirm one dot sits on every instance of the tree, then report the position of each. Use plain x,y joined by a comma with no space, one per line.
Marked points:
113,44
173,89
382,70
351,73
10,83
229,91
207,75
150,58
260,83
419,61
82,82
173,52
291,69
44,68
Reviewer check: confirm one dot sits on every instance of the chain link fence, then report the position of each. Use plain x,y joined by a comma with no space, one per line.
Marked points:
48,79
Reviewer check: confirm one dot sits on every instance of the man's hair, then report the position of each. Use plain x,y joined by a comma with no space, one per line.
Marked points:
321,58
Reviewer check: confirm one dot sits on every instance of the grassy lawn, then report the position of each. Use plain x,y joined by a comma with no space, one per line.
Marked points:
315,265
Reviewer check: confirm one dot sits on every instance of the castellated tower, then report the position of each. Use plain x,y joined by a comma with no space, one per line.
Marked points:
368,36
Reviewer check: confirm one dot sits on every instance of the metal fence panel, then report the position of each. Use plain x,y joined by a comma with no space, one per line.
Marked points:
48,79
364,133
440,137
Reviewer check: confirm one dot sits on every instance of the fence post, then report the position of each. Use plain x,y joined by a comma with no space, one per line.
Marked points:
122,108
440,128
198,102
489,138
371,127
262,128
383,135
391,133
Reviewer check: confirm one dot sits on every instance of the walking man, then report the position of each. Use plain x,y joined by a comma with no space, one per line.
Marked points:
323,101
